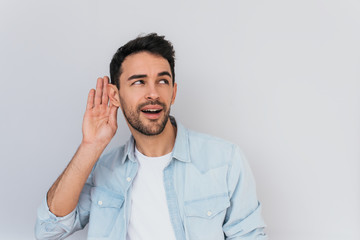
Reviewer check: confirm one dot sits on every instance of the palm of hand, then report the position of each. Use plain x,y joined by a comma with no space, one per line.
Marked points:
100,119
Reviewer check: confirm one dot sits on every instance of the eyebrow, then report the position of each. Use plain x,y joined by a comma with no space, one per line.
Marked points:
136,76
165,73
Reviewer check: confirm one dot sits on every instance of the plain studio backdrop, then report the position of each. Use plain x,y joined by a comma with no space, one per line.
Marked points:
279,78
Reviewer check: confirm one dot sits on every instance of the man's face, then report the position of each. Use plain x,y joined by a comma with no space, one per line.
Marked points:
146,92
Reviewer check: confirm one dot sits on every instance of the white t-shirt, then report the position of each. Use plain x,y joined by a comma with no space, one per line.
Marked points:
149,218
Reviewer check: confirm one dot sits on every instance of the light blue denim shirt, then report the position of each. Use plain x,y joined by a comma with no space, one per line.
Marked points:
209,187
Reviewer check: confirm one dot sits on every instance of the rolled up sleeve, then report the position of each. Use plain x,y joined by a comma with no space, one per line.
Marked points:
243,218
49,226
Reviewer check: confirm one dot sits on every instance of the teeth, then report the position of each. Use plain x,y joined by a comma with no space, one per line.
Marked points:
152,110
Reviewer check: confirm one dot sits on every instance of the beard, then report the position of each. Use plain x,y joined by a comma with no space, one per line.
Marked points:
155,127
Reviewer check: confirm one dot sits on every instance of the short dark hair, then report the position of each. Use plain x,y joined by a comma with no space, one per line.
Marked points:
151,43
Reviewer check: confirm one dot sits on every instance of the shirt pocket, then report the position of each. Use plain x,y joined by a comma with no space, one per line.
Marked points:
205,217
207,208
205,202
105,208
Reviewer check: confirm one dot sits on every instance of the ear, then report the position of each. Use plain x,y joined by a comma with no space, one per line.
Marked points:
174,94
113,93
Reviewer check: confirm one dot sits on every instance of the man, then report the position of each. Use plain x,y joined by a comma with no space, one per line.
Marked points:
166,182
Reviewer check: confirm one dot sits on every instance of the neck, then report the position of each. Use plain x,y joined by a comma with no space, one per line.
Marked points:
158,145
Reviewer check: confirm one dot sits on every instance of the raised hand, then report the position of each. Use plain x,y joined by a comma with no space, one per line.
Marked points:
100,119
99,126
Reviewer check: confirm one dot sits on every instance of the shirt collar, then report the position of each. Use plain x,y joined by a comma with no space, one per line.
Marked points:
180,151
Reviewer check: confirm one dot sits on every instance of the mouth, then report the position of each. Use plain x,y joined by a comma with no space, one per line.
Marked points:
152,111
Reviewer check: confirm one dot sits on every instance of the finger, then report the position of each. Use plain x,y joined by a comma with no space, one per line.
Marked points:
90,100
98,93
105,96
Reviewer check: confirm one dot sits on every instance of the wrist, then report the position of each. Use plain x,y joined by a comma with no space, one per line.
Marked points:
93,144
92,147
86,156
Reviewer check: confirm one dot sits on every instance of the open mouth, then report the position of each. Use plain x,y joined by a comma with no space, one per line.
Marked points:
151,111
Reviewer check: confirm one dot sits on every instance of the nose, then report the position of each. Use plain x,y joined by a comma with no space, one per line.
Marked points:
152,92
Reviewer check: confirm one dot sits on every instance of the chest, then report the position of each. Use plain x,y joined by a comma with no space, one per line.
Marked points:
196,200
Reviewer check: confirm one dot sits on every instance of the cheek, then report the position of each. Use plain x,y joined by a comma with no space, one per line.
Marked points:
129,102
123,102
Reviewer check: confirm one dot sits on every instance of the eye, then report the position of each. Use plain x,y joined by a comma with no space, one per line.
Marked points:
138,82
164,81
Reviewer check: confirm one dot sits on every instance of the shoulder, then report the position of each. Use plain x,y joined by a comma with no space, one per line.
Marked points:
208,151
202,140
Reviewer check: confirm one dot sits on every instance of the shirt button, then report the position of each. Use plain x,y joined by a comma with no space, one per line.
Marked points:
209,213
100,202
128,179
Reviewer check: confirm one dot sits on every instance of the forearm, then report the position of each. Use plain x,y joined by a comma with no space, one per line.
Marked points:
63,196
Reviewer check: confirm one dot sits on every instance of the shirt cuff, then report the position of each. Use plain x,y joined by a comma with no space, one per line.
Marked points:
44,214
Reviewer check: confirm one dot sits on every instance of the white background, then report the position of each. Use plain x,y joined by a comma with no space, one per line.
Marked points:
280,78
